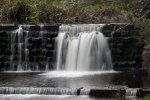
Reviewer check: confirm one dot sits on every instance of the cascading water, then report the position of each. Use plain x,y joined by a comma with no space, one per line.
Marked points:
79,48
20,43
82,48
20,51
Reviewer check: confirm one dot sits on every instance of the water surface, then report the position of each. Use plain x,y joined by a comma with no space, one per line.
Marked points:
74,80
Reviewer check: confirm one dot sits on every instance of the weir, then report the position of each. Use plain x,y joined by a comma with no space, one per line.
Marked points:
79,47
99,92
77,53
42,90
69,47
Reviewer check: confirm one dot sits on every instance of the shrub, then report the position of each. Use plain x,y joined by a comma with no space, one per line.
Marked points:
21,11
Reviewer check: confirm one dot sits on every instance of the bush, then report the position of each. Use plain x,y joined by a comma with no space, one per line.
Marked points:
20,12
72,11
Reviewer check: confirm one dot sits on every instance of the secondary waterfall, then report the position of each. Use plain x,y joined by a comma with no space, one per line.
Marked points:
82,48
28,50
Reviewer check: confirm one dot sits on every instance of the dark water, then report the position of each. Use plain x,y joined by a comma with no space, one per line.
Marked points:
48,97
128,79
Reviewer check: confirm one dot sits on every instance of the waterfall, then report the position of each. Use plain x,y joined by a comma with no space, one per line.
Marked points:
19,50
20,43
23,56
16,49
82,48
131,92
78,48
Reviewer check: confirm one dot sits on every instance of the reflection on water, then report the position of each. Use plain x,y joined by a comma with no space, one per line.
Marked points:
74,74
47,97
72,80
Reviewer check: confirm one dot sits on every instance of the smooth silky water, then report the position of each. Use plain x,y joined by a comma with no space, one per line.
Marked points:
82,48
83,60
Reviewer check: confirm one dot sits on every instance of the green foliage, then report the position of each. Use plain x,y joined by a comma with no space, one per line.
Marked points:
147,97
56,11
17,11
72,11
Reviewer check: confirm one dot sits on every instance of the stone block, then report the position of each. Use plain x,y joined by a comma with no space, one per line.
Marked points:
106,33
116,51
143,92
3,34
8,27
31,27
107,93
108,28
51,28
33,34
50,34
125,65
50,47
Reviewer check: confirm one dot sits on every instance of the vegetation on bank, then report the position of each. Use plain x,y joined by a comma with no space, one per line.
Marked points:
78,11
73,11
147,97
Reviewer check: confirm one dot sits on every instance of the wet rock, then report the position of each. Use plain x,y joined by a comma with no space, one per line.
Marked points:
125,65
50,34
143,92
116,51
33,34
31,27
51,28
107,93
3,34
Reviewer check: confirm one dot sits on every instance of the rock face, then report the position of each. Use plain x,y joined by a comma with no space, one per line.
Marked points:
125,48
146,59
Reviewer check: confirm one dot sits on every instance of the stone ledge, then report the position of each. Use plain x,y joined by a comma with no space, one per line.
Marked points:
107,93
50,28
8,27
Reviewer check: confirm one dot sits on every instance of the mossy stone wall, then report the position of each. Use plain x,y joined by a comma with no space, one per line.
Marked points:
126,49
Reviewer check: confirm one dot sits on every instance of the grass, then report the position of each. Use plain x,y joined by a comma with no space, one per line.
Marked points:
55,11
33,11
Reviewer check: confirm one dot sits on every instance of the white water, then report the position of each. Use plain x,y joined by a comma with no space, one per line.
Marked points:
41,90
131,92
74,74
82,48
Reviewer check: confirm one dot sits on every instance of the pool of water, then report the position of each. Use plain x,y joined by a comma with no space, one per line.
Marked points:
48,97
74,79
